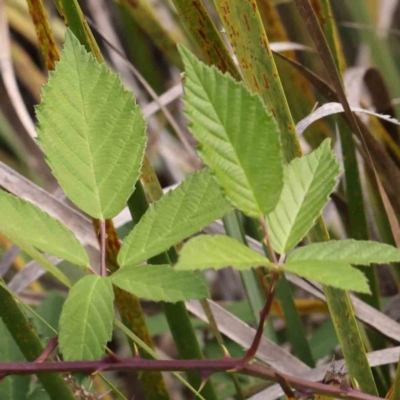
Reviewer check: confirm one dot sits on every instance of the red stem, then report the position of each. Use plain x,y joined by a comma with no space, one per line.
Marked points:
103,271
141,364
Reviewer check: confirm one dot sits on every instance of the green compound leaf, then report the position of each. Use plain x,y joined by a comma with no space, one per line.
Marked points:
182,212
86,320
331,273
360,252
239,140
206,251
26,225
308,182
160,283
91,131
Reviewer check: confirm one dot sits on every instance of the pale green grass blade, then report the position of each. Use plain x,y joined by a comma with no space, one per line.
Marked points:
207,251
92,132
239,139
87,319
182,212
21,221
308,182
331,273
360,252
161,283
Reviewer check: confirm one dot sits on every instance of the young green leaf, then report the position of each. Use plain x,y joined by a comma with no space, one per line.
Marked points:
160,283
308,182
360,252
87,319
92,132
23,222
194,204
338,274
206,251
239,139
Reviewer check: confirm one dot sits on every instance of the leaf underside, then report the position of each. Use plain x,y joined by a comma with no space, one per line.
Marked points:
239,140
308,182
91,131
161,283
194,204
207,251
87,319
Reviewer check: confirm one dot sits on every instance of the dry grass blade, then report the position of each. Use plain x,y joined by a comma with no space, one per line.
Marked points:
8,258
386,15
31,272
7,73
376,358
241,333
335,108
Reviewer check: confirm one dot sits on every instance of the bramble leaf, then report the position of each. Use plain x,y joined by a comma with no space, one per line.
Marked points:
308,182
206,251
360,252
182,212
239,139
86,319
331,273
91,131
160,283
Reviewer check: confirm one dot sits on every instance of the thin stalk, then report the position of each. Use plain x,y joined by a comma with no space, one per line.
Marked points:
103,270
294,325
30,345
250,279
141,51
251,352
